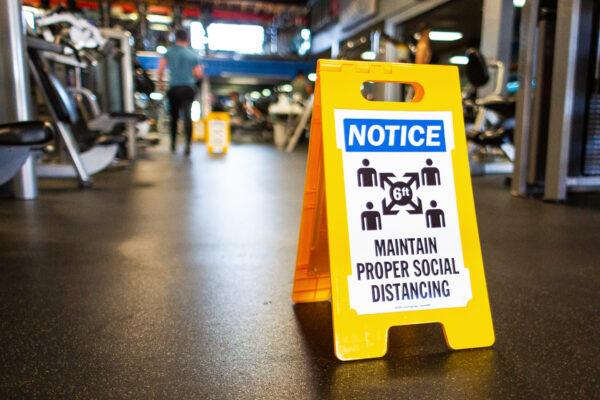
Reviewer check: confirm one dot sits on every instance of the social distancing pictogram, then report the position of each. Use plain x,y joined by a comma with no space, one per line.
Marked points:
388,230
400,193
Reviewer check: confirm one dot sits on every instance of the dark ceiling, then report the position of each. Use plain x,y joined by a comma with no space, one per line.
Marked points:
294,2
284,2
458,15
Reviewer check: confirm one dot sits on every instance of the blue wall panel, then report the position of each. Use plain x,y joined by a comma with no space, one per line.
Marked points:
285,70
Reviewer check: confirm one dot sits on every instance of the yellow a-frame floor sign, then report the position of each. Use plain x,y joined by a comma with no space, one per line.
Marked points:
217,133
388,230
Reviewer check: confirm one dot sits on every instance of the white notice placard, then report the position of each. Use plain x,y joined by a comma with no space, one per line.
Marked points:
405,244
217,134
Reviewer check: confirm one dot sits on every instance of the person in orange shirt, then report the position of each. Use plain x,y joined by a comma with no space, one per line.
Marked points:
423,51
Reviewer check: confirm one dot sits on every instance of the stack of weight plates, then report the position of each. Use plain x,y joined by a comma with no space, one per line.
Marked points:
591,165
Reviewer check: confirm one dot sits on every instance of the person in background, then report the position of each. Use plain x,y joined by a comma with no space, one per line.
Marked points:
238,108
423,52
301,85
184,69
243,114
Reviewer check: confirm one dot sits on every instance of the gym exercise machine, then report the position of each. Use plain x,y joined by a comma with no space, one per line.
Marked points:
119,88
82,34
94,150
116,72
490,133
101,59
557,132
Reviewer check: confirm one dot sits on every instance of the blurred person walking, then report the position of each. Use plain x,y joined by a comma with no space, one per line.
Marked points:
184,69
301,86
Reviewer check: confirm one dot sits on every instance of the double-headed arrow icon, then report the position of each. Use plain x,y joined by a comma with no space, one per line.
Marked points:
417,208
388,209
384,177
414,178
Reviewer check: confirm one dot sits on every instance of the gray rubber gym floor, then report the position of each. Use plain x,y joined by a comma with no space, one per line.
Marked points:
172,279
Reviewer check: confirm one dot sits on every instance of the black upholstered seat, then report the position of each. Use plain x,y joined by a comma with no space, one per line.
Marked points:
27,133
503,106
137,116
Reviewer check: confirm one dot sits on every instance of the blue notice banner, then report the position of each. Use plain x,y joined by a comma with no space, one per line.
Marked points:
394,135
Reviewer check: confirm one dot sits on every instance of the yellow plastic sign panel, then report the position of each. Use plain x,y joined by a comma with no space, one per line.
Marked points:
218,134
388,228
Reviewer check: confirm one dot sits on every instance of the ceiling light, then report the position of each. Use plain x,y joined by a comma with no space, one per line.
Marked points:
159,27
443,36
312,77
368,55
305,34
518,3
159,19
459,60
304,48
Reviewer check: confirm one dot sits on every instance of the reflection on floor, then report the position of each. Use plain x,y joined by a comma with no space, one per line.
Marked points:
172,279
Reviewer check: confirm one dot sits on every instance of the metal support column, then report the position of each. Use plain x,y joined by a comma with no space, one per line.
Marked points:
128,55
527,61
177,15
496,35
562,103
205,97
142,25
384,50
104,9
14,85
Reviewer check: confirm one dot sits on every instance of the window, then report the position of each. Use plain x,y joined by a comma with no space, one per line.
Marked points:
246,39
197,35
